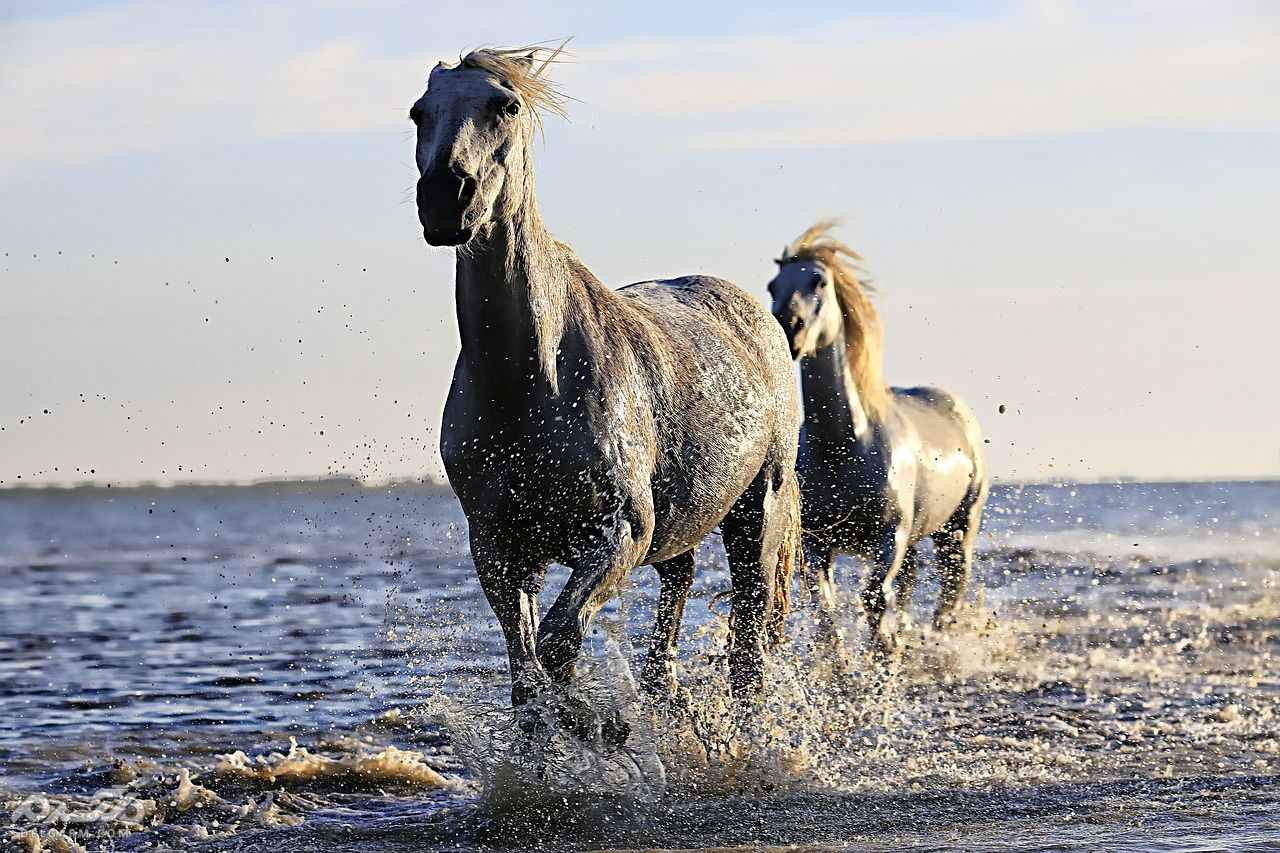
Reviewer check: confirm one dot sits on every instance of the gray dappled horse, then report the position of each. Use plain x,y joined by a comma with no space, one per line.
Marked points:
594,428
880,469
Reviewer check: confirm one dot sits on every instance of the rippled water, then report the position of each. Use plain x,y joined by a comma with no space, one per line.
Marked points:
315,669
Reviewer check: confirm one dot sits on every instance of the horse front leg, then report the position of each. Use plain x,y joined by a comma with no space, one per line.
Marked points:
596,578
819,563
819,560
906,582
658,678
888,551
512,591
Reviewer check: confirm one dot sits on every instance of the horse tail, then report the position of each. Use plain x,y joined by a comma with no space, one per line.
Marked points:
790,553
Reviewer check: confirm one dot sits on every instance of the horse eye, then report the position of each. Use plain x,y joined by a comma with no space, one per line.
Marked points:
819,279
511,108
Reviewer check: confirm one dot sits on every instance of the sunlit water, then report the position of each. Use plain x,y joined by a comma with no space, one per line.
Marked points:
317,670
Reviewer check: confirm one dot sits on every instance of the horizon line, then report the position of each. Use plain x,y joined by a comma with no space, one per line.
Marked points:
301,483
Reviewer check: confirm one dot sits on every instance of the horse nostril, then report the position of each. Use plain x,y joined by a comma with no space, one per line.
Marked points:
467,190
797,323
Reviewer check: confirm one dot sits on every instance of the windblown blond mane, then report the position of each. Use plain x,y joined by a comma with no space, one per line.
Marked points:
525,69
863,333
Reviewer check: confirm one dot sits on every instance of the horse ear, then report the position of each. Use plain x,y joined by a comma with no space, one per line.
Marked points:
525,62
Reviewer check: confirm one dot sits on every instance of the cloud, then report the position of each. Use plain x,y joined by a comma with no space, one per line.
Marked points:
1046,70
136,79
141,78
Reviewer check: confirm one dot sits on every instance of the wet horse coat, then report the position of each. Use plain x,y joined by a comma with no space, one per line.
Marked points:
594,428
880,468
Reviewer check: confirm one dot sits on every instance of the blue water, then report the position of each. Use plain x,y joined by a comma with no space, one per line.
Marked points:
1114,685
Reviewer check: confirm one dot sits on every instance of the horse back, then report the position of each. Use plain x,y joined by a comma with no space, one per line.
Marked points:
723,395
952,468
708,334
705,312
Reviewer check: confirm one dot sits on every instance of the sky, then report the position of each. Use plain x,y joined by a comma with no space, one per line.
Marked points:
212,267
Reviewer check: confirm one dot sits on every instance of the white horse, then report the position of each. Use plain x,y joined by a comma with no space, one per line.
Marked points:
594,428
880,468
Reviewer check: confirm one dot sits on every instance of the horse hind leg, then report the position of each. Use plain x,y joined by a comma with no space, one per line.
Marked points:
954,546
658,677
761,534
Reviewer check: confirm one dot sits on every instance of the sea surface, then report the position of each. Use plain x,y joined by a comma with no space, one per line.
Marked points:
286,668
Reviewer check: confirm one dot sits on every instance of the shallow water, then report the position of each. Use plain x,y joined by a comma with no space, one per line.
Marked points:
316,669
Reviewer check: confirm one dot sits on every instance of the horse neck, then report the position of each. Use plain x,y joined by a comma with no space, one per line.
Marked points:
833,410
513,287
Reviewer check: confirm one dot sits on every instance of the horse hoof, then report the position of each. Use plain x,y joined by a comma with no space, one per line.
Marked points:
531,724
591,726
615,730
885,649
682,701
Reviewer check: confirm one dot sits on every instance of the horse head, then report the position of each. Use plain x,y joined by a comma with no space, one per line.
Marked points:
475,125
805,303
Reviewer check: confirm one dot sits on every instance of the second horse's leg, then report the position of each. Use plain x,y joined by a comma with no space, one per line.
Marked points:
906,582
886,559
954,545
819,561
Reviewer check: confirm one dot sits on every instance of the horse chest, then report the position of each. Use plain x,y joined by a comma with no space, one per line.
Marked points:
847,491
544,475
520,461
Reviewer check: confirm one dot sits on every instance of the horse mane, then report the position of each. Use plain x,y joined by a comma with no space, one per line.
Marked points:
863,332
525,69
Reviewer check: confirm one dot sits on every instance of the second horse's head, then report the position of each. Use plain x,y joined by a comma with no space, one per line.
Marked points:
805,304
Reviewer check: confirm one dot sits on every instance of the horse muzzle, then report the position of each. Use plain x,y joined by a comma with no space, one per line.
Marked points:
460,237
794,330
445,197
